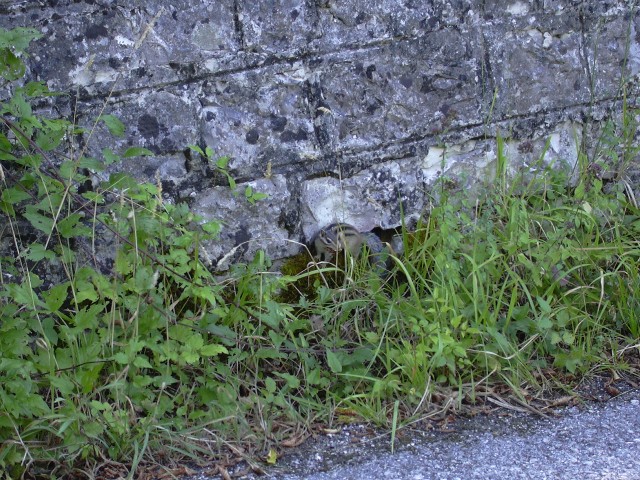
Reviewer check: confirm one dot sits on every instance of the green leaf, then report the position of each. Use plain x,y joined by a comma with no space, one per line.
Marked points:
568,338
109,156
276,339
270,384
91,164
544,305
190,357
88,377
222,162
292,380
136,152
72,226
142,362
314,377
93,429
196,149
6,148
18,38
333,361
195,341
49,139
213,350
62,383
24,294
19,107
36,89
88,318
544,323
37,252
571,361
270,353
144,279
272,457
257,196
206,293
121,358
124,263
14,195
212,227
120,181
248,191
55,297
68,169
274,314
100,406
50,331
39,221
11,67
113,123
223,333
164,380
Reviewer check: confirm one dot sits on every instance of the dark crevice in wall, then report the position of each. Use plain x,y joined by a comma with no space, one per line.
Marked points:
488,82
237,25
320,114
192,75
583,52
420,140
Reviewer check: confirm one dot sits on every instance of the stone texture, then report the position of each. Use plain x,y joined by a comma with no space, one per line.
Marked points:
340,111
247,227
243,114
397,92
370,199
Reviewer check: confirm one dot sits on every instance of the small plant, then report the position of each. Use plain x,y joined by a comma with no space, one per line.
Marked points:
252,196
220,165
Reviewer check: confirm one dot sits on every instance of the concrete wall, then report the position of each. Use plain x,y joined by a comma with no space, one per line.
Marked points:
339,110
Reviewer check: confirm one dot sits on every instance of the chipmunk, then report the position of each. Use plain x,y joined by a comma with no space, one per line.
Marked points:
342,237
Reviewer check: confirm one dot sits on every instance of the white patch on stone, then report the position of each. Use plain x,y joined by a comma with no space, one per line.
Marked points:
535,34
207,37
554,142
518,8
440,160
329,201
433,163
82,74
212,65
634,52
106,76
564,144
120,40
297,74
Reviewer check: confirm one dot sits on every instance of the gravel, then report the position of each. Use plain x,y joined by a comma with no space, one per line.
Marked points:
599,441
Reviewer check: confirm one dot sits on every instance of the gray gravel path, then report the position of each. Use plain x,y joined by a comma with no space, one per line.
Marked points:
596,442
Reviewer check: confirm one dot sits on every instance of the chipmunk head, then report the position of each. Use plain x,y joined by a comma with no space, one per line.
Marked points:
338,237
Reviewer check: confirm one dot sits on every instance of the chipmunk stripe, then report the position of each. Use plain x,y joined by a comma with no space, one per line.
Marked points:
343,228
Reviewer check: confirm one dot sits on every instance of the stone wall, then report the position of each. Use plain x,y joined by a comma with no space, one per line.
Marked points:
338,110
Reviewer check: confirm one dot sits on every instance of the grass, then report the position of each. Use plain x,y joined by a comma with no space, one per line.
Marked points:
145,359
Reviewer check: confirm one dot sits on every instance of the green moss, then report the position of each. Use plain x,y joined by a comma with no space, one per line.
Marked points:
300,268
